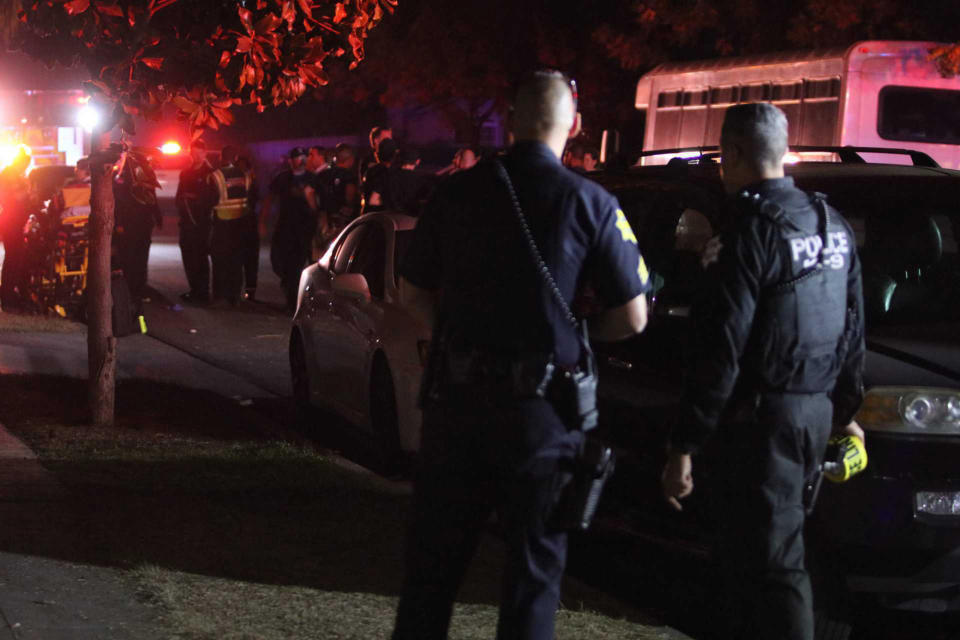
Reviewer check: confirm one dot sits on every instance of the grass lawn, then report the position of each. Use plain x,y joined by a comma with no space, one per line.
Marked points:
22,322
232,535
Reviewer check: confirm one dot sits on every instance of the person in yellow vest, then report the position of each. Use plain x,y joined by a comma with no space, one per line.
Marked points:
234,191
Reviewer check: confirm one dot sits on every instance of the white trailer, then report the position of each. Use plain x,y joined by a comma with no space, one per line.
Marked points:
871,94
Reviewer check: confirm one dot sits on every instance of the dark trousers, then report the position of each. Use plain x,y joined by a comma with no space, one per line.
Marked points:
13,272
251,252
760,548
133,254
195,251
289,254
226,252
475,460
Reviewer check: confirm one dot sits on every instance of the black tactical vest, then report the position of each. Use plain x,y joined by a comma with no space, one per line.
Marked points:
800,320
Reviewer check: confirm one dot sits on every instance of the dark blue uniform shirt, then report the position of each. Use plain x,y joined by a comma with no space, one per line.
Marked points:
469,246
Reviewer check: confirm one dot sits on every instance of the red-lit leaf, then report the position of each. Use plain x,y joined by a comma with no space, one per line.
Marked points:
75,7
114,10
224,116
131,17
339,13
288,13
185,105
267,24
246,17
153,63
225,59
196,135
306,8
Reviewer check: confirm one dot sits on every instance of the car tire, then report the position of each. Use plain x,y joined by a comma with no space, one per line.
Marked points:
383,415
300,380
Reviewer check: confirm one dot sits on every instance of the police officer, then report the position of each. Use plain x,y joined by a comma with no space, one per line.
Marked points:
491,441
341,198
777,362
137,213
230,223
299,204
195,199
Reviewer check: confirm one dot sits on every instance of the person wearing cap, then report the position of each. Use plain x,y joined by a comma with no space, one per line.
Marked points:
296,196
195,199
376,196
234,188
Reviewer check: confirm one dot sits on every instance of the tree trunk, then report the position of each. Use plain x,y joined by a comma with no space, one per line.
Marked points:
101,345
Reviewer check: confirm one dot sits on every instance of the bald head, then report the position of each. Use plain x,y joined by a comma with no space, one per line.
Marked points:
544,109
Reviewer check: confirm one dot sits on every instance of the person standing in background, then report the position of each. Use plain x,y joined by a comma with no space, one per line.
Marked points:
195,199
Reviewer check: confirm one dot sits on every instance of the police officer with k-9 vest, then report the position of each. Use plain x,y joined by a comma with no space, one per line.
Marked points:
231,215
496,434
195,199
776,366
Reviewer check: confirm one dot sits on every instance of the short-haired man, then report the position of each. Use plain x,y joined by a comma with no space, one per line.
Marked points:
340,190
295,193
378,135
778,350
195,199
491,438
317,159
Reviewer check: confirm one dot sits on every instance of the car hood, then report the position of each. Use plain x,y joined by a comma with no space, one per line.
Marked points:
915,355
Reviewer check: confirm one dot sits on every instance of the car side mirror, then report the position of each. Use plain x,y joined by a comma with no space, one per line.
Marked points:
351,285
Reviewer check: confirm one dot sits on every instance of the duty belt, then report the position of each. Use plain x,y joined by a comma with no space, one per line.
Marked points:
474,374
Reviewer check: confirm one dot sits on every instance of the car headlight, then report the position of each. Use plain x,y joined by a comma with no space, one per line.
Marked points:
914,410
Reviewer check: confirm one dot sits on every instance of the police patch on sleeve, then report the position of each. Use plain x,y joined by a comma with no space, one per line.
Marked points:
626,231
642,271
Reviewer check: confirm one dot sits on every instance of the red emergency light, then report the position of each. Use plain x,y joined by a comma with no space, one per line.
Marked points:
170,148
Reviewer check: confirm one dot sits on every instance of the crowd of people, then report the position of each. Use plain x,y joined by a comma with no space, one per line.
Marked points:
318,192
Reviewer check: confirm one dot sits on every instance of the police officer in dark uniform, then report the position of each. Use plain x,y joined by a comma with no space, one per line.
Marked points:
490,440
297,217
194,199
137,213
233,187
777,363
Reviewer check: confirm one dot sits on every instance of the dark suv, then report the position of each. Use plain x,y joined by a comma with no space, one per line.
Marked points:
894,531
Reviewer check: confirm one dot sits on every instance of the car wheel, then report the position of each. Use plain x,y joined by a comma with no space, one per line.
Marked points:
383,415
300,377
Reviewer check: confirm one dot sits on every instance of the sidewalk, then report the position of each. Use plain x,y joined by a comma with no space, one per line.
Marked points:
49,599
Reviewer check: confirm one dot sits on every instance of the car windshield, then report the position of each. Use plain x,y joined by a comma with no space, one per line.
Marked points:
402,241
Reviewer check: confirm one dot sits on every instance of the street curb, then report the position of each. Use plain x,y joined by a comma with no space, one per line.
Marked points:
22,477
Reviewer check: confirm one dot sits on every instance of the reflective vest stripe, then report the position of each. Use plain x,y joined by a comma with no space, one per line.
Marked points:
233,185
